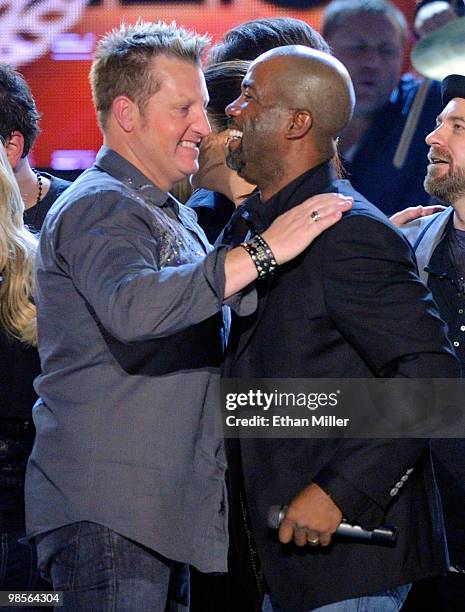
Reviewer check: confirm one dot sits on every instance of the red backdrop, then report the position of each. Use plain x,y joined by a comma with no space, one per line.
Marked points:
58,79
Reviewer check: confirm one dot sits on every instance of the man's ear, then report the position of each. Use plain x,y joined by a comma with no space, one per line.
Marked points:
124,111
14,148
300,122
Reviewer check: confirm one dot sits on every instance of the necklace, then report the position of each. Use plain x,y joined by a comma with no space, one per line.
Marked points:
36,206
39,185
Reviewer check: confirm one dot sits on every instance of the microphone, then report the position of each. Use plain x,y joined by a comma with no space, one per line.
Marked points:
381,535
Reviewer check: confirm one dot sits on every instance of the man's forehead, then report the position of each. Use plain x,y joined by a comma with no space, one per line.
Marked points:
263,68
165,65
176,74
254,77
455,108
254,69
380,26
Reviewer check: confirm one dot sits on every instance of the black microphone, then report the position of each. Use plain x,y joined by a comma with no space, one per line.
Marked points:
381,535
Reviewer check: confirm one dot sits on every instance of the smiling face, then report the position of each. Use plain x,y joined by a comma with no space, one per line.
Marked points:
371,47
168,130
255,128
445,178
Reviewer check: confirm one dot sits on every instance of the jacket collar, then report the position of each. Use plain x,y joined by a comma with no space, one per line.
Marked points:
316,180
434,233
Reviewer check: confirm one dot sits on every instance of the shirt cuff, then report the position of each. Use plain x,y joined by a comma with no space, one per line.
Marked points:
244,302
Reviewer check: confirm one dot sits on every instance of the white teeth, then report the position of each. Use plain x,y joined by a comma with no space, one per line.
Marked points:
188,144
235,134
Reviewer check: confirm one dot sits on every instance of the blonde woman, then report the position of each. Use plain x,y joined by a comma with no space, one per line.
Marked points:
19,365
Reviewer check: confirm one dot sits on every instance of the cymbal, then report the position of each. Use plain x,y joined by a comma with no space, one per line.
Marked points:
442,52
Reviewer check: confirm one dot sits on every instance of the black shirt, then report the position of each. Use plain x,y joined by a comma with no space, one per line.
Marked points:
449,454
34,216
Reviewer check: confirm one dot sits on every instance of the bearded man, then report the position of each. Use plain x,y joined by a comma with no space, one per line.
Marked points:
439,243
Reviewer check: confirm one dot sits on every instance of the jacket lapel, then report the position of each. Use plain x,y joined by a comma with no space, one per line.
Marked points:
430,240
260,219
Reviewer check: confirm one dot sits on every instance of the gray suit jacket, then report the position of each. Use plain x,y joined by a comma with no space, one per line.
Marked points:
424,235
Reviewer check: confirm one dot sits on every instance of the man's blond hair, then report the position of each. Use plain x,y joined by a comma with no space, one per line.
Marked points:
124,59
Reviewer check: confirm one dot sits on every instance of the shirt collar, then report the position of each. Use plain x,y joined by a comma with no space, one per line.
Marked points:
316,180
119,167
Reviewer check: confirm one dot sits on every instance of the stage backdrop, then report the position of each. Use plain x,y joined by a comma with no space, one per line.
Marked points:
51,42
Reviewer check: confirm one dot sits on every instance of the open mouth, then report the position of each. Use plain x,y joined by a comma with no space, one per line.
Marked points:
437,156
189,144
437,160
234,138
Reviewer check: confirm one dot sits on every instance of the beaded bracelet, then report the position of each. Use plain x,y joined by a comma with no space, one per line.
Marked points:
261,255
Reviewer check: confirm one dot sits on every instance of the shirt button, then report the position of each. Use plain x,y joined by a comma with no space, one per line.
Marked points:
460,310
462,328
456,343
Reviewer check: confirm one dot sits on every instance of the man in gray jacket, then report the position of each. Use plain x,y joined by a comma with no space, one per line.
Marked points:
439,243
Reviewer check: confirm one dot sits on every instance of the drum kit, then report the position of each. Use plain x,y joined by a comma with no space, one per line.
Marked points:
442,52
435,56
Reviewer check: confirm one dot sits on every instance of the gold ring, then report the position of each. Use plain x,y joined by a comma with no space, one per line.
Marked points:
313,541
315,215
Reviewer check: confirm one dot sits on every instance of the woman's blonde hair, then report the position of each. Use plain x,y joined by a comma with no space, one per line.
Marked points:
17,251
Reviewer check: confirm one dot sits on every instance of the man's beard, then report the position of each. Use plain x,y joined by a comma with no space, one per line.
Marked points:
255,159
234,159
448,188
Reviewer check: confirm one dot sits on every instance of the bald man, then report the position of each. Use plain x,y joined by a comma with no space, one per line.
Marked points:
350,306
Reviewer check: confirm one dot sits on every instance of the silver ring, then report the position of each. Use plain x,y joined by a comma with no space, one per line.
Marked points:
313,541
315,215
